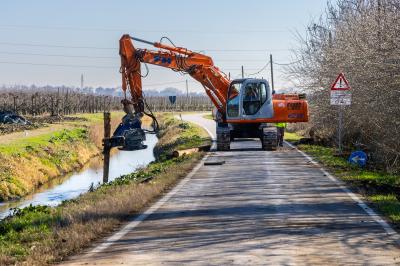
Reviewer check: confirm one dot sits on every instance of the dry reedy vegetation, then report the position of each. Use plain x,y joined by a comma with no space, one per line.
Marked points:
94,215
96,131
361,39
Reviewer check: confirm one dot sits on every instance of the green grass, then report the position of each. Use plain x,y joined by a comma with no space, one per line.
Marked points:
30,144
388,205
347,171
208,116
376,183
192,136
28,225
292,137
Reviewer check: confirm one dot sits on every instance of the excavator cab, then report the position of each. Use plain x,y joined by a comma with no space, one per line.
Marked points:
249,99
249,104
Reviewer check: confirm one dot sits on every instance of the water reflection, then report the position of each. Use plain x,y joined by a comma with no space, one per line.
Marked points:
74,184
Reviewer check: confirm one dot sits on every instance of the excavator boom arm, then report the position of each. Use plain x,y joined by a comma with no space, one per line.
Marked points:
197,65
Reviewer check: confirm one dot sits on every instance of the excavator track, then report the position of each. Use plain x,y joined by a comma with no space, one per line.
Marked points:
223,139
269,139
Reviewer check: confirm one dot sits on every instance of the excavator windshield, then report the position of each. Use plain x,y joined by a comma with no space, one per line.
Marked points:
255,95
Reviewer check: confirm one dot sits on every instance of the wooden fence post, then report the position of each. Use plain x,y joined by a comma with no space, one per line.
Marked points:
106,149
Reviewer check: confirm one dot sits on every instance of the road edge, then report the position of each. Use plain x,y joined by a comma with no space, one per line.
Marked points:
142,217
376,217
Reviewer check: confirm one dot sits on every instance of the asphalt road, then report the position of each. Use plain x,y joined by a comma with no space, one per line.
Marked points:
259,208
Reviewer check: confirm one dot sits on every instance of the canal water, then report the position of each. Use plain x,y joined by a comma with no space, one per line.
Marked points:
72,185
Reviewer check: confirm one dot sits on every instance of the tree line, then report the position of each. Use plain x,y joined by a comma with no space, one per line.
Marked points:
55,103
360,38
65,101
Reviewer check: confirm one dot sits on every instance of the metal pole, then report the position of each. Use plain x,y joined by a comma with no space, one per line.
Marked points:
242,72
106,151
340,129
272,72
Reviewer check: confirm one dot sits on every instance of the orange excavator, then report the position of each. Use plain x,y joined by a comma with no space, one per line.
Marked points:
246,108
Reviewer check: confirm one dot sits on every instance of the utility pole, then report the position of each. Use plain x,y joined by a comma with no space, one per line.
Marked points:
187,89
272,72
187,95
81,82
242,72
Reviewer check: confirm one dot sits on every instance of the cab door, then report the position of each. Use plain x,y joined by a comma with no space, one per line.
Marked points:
234,103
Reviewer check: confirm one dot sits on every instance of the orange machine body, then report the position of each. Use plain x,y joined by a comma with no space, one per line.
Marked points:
286,107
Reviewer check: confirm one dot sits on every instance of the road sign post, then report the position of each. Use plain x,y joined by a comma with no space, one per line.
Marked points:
340,96
172,100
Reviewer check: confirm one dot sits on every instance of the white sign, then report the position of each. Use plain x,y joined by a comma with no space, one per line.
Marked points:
340,91
340,98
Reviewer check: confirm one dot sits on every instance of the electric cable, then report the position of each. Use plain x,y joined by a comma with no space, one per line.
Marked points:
262,69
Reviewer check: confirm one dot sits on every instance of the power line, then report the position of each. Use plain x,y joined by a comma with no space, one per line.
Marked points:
93,66
55,65
56,46
248,31
288,64
259,71
244,50
60,55
111,57
115,48
167,83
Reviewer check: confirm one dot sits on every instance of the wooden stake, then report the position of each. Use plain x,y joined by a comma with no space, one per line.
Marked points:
107,148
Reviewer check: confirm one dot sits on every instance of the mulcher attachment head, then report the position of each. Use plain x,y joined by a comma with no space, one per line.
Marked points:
129,135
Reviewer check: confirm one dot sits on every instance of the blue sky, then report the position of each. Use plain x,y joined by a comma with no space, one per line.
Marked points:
54,42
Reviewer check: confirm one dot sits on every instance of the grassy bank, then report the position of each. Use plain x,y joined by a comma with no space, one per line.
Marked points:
208,116
43,235
381,189
30,160
180,135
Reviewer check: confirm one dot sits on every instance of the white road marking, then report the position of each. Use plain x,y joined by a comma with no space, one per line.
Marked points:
389,230
131,225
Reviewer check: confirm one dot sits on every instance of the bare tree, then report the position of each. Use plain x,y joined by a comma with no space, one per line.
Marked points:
360,38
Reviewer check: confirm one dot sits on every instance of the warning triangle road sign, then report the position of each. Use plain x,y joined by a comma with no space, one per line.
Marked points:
340,83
